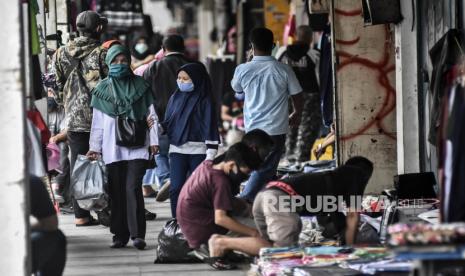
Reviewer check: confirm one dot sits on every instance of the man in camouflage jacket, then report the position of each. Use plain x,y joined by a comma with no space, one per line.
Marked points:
79,66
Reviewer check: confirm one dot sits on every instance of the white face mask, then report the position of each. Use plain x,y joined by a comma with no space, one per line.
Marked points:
141,48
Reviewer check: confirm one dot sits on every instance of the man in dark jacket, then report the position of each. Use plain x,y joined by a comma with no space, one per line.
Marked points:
162,76
79,66
304,61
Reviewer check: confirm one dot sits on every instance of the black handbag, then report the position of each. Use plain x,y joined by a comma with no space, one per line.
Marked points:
151,163
129,133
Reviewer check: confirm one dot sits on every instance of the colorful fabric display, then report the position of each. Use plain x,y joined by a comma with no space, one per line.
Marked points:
426,234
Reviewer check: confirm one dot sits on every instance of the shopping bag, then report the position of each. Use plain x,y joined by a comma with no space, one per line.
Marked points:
88,184
172,245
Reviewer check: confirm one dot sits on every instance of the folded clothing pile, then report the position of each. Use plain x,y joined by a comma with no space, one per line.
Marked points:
426,234
278,253
287,260
372,253
325,255
278,261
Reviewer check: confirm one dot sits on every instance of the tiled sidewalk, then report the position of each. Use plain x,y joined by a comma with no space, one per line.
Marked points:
89,252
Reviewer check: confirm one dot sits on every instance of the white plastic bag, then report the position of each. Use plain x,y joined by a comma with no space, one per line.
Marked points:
88,183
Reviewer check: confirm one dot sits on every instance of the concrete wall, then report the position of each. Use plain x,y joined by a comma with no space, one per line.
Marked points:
366,96
13,204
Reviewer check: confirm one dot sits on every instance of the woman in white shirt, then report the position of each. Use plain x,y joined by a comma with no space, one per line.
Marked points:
125,95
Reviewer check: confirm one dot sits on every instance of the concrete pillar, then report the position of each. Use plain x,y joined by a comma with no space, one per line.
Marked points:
205,26
13,203
365,92
408,152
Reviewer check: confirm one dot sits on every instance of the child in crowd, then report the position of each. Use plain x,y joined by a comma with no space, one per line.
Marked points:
191,125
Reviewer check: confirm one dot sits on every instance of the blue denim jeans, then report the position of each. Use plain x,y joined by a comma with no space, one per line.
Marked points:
163,162
182,165
162,172
267,171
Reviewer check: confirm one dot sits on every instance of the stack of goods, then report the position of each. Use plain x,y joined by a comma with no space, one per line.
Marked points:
428,241
325,259
325,271
279,261
311,233
426,234
326,255
380,266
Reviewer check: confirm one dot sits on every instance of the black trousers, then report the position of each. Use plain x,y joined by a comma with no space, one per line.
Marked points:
63,179
78,144
127,201
48,252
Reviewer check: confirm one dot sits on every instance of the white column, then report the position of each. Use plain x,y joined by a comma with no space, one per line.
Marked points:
408,152
13,203
205,26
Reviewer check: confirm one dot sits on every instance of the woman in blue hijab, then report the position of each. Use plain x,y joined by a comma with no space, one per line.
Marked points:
192,126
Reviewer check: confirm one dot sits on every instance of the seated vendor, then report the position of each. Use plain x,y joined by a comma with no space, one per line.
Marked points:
206,199
277,216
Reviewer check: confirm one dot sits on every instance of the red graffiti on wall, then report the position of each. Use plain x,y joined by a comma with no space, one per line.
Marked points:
382,68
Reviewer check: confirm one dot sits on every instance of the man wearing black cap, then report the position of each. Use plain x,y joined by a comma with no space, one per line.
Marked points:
79,66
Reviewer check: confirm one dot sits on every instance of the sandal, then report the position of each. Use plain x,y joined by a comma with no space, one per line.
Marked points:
201,253
219,263
90,222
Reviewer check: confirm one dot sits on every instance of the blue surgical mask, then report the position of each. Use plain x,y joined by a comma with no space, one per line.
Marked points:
119,70
141,48
185,86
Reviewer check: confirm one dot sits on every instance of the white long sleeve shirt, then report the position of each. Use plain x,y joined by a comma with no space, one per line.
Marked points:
103,139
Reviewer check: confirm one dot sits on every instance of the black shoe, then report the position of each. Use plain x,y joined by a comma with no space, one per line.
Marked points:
139,243
67,209
104,217
90,222
149,215
151,195
117,244
164,192
201,253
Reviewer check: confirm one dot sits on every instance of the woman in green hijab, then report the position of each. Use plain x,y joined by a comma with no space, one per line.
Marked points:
123,94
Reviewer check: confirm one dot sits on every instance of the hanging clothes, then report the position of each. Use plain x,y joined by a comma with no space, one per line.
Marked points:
221,73
444,54
326,77
37,79
34,32
35,118
122,15
453,149
34,150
